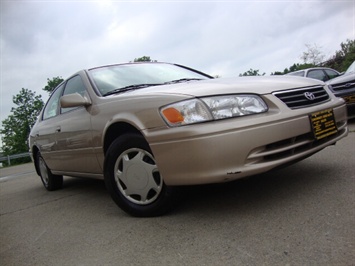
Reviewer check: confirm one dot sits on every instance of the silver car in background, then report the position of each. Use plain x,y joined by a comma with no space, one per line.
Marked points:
344,87
147,128
320,73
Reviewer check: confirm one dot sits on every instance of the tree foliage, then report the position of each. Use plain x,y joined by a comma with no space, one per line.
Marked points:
251,72
52,84
144,59
16,127
343,57
293,68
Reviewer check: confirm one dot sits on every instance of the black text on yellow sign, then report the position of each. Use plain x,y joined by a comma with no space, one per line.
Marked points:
323,124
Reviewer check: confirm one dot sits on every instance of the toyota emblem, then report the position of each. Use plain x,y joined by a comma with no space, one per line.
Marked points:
309,95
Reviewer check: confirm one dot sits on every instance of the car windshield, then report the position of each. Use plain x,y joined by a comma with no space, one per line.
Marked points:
120,78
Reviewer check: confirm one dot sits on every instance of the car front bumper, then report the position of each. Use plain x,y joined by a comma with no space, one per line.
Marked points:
230,149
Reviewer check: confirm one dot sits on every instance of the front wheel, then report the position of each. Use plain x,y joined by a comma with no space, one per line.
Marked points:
133,179
51,182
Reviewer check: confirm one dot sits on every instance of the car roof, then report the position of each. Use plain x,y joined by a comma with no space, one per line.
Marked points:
313,68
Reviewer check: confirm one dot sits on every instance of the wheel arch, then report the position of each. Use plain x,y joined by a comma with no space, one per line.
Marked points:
115,130
35,152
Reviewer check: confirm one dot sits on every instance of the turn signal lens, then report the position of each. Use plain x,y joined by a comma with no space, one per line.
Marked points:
173,115
185,113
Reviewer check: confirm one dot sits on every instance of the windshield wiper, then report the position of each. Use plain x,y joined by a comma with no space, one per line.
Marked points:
129,88
140,86
181,80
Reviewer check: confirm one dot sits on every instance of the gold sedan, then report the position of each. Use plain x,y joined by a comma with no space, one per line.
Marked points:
147,128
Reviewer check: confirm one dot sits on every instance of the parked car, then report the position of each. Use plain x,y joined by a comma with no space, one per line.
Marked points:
147,128
344,87
320,73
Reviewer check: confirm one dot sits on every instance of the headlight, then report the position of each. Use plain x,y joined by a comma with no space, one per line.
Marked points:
235,105
212,108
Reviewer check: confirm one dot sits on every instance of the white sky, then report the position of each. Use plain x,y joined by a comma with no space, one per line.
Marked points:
45,39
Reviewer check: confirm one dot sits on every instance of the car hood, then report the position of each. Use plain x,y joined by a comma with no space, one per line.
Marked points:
344,78
257,85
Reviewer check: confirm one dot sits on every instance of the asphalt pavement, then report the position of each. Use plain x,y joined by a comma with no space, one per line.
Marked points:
300,215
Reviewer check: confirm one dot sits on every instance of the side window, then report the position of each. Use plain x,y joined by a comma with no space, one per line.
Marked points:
74,85
52,105
317,74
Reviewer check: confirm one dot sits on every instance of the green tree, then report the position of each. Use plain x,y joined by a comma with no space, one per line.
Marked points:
52,84
342,58
16,127
144,59
251,72
293,68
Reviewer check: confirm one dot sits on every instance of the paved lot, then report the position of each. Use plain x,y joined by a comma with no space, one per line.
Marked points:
300,215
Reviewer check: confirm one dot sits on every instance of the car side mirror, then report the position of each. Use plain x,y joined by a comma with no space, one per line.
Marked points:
74,100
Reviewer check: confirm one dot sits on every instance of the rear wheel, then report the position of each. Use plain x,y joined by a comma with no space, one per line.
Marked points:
51,182
133,178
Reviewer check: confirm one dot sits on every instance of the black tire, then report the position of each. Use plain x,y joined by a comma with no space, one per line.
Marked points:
133,179
50,181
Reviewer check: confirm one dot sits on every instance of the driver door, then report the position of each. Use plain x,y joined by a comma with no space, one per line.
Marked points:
74,137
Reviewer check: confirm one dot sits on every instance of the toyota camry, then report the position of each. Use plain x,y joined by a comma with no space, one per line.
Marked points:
148,128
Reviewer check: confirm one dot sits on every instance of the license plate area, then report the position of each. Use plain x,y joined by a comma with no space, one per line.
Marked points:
323,124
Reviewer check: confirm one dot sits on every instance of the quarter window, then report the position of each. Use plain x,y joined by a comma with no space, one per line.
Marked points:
298,74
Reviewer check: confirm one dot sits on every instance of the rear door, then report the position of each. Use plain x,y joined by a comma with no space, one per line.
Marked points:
45,137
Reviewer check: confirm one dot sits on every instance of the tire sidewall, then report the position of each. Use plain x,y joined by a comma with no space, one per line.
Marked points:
54,181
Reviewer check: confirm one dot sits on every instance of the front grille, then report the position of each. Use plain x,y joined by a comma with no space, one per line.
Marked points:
344,86
300,98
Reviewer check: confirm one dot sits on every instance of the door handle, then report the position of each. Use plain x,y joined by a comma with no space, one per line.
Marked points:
58,129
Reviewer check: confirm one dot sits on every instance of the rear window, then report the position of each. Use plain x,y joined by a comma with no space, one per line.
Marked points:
298,74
